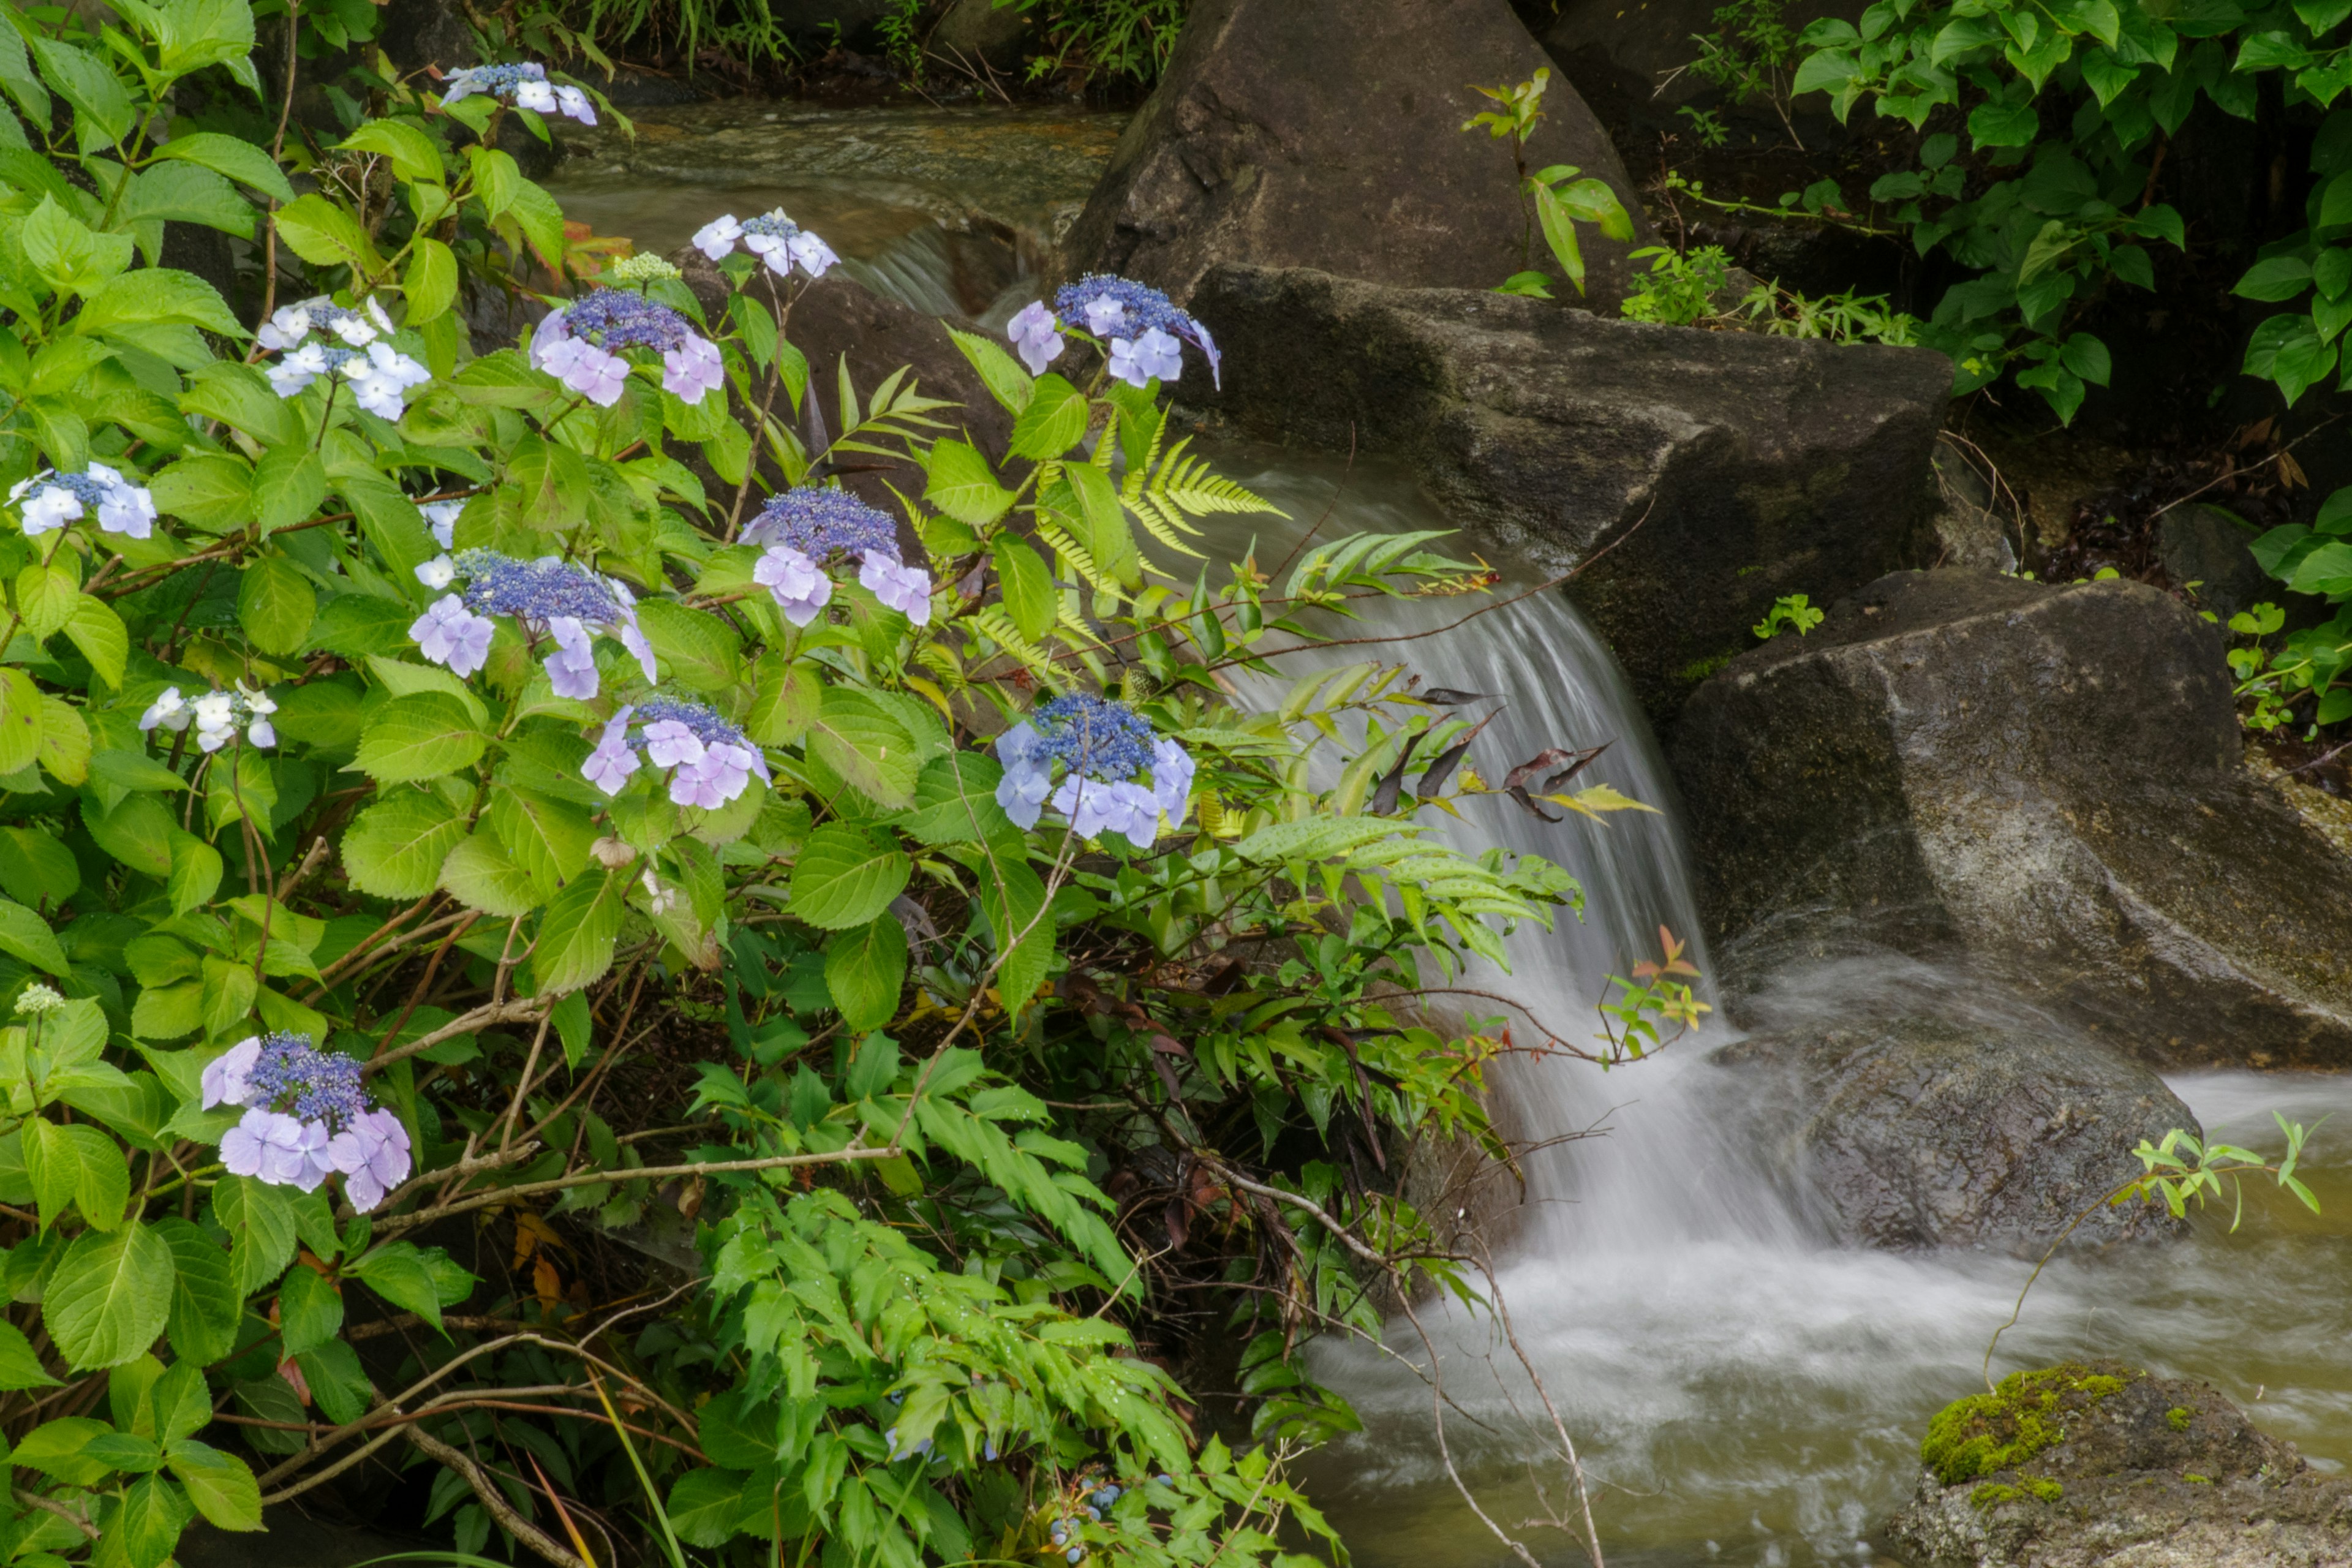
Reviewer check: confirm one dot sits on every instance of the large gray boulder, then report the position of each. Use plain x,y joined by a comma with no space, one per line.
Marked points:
1693,477
2044,780
2103,1466
1330,135
1921,1132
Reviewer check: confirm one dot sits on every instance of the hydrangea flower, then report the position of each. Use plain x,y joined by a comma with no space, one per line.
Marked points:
1144,330
306,1117
1102,746
549,598
579,344
641,269
710,760
772,238
318,337
441,517
524,85
50,500
217,715
807,529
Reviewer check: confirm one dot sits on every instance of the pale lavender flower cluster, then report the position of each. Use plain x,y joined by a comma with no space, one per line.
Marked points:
579,346
361,354
217,715
307,1118
1102,746
550,597
49,500
774,238
710,760
1144,329
525,86
807,529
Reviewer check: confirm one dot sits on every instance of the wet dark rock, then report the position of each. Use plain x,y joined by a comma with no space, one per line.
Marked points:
2044,780
1974,525
1696,476
2207,546
1937,1133
2103,1466
1329,135
976,32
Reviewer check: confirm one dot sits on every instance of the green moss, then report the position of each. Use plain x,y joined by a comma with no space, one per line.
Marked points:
2200,1480
1699,669
1987,1433
1992,1492
2178,1417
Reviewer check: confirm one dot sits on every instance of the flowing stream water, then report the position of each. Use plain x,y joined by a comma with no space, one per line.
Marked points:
1743,1391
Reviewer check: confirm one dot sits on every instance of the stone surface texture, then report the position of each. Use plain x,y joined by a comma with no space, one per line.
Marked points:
1921,1132
2162,1473
1329,135
1694,476
2045,780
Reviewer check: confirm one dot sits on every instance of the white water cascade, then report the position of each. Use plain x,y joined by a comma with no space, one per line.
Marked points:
1744,1391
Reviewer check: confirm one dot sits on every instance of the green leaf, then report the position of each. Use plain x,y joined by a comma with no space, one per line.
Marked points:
426,735
693,647
1029,596
57,1448
98,631
961,484
1559,233
2001,125
19,1366
205,1301
865,968
287,486
44,599
1014,898
431,282
845,878
111,1296
182,193
76,1164
403,680
238,159
955,802
26,935
407,1277
196,868
138,832
2086,356
550,839
1054,421
2276,278
221,1485
103,112
577,933
158,296
275,604
1006,382
324,235
259,1219
785,702
481,874
148,1521
309,1313
20,721
396,848
703,1504
415,155
36,869
868,748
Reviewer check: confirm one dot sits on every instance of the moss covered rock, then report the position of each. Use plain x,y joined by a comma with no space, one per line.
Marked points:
2100,1465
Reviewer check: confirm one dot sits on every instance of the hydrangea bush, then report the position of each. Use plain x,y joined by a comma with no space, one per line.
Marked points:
462,809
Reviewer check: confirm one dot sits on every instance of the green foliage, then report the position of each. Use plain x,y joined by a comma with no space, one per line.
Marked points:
1678,290
1789,613
1119,41
1555,198
2049,201
908,1051
2307,674
1752,57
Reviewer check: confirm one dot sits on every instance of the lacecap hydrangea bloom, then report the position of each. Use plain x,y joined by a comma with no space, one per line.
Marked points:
1105,752
579,344
710,761
524,85
1144,331
49,500
549,598
307,1118
808,529
351,344
217,715
771,236
441,517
